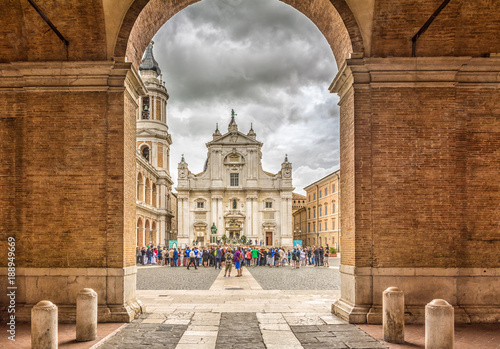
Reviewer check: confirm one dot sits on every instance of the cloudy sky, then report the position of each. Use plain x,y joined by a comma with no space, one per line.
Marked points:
269,63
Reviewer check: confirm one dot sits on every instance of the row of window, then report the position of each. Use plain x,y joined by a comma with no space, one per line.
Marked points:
320,226
201,204
320,192
312,241
321,211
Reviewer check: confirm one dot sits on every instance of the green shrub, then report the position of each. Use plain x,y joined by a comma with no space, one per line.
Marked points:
333,250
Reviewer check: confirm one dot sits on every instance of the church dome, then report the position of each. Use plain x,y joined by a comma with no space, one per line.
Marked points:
149,62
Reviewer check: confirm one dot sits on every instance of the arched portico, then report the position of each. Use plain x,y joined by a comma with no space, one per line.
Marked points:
419,149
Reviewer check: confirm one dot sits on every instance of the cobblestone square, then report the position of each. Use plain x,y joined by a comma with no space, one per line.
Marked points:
267,307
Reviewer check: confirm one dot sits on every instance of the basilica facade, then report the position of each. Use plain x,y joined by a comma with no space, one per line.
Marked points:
156,205
234,199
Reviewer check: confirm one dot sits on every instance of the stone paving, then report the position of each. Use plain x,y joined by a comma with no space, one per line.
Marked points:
239,313
304,278
179,278
154,277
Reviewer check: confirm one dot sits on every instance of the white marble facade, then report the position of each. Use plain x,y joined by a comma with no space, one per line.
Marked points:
236,194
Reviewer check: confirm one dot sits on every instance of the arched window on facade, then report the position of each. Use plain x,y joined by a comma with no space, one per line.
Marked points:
145,108
148,191
148,233
153,233
146,152
140,233
140,186
155,196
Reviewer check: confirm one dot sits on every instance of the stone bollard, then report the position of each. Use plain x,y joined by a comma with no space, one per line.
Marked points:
393,315
439,325
86,315
44,326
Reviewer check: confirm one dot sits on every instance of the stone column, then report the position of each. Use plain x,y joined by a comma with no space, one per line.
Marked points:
152,108
141,107
86,315
163,230
249,226
143,242
255,218
220,217
162,110
393,315
44,326
162,190
439,325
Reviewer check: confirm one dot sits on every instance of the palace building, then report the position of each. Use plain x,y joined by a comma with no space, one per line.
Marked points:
155,202
235,195
299,218
323,212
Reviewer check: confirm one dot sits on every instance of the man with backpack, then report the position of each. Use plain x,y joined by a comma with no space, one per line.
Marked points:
229,263
218,257
192,257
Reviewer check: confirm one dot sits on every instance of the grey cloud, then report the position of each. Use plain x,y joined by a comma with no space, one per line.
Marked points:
262,58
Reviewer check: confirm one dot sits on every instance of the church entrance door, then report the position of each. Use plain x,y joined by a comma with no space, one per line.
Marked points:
269,238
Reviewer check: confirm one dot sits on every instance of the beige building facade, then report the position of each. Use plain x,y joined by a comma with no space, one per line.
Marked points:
235,195
323,212
299,217
155,202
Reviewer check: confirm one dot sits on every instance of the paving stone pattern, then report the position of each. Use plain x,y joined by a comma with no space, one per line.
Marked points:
334,336
178,278
184,330
140,333
304,278
239,330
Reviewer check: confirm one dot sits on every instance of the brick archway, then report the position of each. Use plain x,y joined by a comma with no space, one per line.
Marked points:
419,150
144,18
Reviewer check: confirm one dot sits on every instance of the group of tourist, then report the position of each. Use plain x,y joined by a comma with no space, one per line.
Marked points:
218,256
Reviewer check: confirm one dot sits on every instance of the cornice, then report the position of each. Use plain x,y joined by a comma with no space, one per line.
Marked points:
470,72
70,76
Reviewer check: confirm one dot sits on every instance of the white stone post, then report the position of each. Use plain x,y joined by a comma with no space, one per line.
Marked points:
393,315
439,325
44,326
86,315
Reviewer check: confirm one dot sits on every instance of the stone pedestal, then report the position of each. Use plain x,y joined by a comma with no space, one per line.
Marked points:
439,325
393,304
44,326
86,315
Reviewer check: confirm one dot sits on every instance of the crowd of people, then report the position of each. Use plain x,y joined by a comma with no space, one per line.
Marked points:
216,257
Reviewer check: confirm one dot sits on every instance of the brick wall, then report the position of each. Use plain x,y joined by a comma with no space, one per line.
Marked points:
55,184
347,181
433,200
26,36
463,28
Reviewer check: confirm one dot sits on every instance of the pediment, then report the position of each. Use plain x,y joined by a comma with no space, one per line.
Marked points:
234,138
145,132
